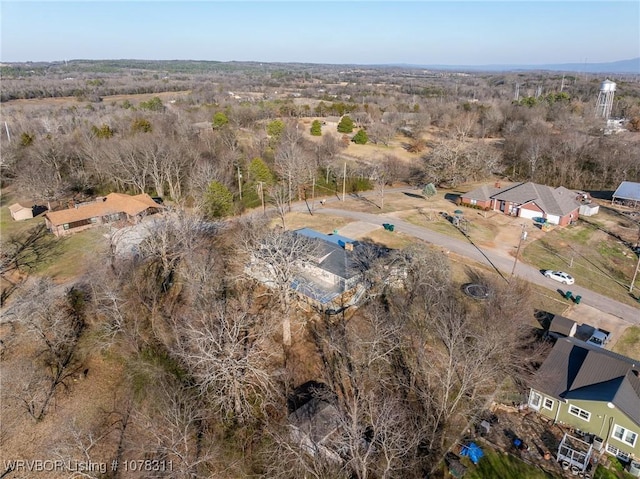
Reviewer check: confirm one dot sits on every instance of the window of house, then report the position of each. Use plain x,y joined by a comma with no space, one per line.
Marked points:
624,435
94,220
548,403
474,202
617,452
581,413
534,400
65,226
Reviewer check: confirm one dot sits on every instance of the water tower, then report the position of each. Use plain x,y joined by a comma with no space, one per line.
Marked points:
605,99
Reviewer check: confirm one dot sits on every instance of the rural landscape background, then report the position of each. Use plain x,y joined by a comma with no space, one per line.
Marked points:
161,347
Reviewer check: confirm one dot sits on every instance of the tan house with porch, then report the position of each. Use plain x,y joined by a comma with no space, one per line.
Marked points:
108,209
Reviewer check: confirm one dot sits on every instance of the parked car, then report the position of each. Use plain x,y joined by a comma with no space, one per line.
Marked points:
562,277
600,338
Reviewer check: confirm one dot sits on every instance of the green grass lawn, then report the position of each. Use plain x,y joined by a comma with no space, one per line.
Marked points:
499,465
596,260
613,473
629,342
75,254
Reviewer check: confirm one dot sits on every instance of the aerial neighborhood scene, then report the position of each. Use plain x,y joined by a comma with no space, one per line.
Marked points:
295,240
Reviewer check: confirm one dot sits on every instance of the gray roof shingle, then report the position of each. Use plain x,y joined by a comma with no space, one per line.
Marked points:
577,370
556,201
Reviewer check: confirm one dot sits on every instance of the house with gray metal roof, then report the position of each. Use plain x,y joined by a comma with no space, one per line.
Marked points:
592,390
628,192
558,206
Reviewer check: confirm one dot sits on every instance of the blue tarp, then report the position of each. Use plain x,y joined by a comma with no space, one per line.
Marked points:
472,451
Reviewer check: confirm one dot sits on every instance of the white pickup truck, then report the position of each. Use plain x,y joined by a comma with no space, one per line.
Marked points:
599,338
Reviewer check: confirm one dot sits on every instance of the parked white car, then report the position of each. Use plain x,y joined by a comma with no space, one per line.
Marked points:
560,276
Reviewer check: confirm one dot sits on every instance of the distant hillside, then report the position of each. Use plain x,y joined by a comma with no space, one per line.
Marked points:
622,66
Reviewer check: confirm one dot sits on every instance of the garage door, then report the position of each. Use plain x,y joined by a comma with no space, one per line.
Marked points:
529,213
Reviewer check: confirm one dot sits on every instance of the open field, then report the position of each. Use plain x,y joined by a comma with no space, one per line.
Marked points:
596,259
72,254
629,343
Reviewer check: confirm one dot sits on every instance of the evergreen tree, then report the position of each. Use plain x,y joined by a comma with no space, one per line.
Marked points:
316,128
275,128
141,125
259,171
218,200
345,125
219,120
360,138
155,104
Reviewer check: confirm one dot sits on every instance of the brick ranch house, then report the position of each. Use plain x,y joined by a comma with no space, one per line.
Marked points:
559,206
104,210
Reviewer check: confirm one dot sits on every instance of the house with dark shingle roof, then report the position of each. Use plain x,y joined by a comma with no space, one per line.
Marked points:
333,277
108,209
559,206
593,390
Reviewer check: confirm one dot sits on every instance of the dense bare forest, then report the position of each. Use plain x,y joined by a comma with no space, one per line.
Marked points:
195,367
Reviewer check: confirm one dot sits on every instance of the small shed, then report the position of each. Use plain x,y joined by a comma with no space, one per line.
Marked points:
589,209
19,212
562,327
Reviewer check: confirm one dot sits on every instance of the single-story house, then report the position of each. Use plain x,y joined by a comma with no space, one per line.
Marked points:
104,210
19,212
559,206
628,192
592,390
333,277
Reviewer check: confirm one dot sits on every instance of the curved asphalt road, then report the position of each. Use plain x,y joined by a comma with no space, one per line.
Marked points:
465,248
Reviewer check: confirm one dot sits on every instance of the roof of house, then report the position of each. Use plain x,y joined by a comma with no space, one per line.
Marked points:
577,370
317,418
556,201
111,204
484,193
628,190
333,257
14,208
562,325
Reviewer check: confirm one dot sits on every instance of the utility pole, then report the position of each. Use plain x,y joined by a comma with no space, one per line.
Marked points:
523,236
635,273
313,194
289,191
637,251
6,127
240,182
261,192
344,182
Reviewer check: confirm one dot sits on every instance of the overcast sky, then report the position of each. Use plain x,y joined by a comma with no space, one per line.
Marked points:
355,32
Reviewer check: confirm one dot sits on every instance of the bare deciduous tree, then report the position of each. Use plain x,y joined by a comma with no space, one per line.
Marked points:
224,348
56,318
277,257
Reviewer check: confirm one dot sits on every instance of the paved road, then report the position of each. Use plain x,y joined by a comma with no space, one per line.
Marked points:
502,264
